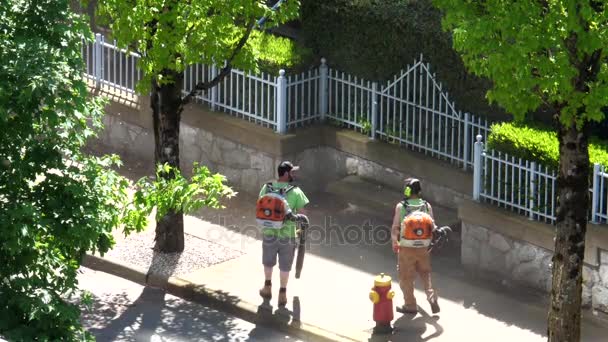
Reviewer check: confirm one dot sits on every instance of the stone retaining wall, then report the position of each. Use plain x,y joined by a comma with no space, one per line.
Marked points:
248,154
489,245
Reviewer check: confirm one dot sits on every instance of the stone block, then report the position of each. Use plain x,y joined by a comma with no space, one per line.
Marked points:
187,135
226,145
264,165
586,297
464,231
189,155
603,274
478,233
469,255
367,169
204,138
511,259
528,252
118,134
233,176
236,158
352,164
216,152
143,145
309,161
603,257
499,242
545,273
527,273
599,296
590,276
134,132
492,259
250,181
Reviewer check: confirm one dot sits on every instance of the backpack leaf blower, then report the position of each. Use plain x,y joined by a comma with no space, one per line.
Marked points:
303,222
440,237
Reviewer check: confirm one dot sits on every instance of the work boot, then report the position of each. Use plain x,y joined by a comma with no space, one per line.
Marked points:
282,296
408,309
266,292
432,298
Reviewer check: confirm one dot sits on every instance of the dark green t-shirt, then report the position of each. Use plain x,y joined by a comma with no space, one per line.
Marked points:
296,200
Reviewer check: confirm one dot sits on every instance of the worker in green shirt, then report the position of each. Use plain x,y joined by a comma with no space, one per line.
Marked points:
279,237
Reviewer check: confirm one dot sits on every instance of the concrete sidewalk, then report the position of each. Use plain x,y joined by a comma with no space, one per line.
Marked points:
330,301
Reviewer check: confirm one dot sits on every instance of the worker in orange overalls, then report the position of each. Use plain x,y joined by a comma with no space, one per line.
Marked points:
412,232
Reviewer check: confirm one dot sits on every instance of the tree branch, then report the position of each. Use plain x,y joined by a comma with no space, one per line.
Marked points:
204,86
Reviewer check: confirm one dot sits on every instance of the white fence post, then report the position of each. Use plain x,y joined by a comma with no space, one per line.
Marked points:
477,168
97,50
532,193
323,86
596,192
213,98
466,142
281,103
374,114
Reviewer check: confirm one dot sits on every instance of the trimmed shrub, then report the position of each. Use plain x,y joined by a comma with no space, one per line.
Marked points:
537,143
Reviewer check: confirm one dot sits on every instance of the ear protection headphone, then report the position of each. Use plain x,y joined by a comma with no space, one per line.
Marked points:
408,189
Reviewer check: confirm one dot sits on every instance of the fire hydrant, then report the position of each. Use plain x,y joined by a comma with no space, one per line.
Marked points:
382,297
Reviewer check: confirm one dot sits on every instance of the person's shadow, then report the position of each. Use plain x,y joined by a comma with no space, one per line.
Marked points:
411,328
268,316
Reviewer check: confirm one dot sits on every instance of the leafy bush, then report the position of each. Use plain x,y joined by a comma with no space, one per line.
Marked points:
537,143
277,53
178,194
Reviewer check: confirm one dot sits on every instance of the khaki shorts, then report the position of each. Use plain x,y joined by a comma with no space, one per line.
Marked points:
285,248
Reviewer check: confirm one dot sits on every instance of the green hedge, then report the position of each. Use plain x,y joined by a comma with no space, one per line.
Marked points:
536,143
375,39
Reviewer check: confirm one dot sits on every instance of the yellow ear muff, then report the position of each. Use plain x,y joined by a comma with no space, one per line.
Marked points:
408,191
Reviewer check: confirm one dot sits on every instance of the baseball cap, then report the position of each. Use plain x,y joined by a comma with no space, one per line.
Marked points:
287,166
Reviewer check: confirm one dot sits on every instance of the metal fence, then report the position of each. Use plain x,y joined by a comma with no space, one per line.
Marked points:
111,67
412,109
303,98
528,188
599,199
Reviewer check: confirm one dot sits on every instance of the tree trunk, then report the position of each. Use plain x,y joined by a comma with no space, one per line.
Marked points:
573,200
166,110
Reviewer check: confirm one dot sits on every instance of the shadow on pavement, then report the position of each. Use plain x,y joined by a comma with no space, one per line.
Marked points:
267,314
412,329
118,317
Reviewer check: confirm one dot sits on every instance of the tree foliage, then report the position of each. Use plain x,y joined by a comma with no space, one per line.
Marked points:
171,35
56,203
550,53
533,51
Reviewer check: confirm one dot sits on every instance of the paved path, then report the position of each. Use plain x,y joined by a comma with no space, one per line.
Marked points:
349,248
339,272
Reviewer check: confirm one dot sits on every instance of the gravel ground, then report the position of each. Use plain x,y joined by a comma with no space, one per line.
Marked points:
136,249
